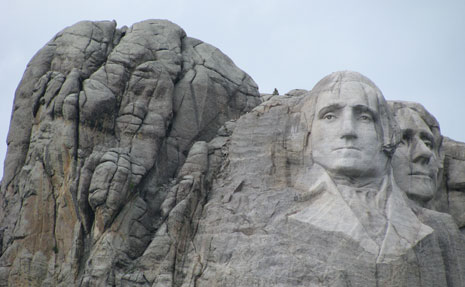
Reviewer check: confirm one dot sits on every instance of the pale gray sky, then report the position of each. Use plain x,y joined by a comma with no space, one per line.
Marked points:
413,50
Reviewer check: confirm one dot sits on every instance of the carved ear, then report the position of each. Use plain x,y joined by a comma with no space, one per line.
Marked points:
307,111
307,140
390,129
307,150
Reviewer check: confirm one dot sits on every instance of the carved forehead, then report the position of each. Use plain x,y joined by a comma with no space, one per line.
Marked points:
348,93
410,119
348,86
334,80
402,109
413,115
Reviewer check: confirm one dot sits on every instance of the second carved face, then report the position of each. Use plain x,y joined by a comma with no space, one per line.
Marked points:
416,162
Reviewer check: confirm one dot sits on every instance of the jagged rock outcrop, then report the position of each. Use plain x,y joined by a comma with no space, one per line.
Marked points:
454,166
142,157
103,119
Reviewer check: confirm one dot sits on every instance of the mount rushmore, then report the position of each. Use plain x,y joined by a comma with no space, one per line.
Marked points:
138,156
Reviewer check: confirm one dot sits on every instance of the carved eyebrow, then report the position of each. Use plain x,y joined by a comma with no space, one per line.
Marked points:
329,108
407,134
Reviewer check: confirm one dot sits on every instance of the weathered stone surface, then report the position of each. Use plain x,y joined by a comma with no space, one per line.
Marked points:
418,165
103,119
454,166
141,157
272,220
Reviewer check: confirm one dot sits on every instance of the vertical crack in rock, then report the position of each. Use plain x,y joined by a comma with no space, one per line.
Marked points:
76,127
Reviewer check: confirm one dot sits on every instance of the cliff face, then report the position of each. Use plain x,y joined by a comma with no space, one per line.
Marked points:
142,157
103,120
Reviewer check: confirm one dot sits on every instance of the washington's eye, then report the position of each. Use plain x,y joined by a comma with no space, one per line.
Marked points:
329,116
365,117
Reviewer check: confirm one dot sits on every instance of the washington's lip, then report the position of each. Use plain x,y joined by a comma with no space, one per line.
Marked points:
347,147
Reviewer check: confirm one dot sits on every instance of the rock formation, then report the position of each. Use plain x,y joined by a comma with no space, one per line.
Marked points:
454,177
103,119
142,157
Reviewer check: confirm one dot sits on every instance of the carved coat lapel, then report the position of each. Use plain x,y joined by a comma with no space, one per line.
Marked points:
326,209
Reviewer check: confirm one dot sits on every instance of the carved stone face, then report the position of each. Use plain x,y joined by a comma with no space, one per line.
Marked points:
345,137
415,162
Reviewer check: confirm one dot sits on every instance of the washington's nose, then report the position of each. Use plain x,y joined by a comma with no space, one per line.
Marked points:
348,130
421,153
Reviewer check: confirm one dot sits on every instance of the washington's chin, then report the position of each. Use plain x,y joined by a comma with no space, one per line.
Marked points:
352,167
350,162
347,159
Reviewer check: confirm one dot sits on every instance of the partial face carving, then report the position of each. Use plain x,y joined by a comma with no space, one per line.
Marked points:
415,162
345,137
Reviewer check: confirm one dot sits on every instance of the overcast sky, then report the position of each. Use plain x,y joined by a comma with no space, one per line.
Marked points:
413,50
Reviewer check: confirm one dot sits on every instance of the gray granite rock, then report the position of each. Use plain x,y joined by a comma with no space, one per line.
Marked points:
454,166
274,219
418,165
103,118
141,157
